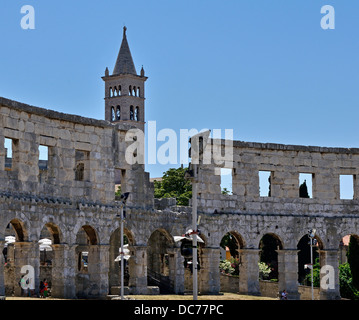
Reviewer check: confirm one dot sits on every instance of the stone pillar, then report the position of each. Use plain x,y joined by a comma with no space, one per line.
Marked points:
288,272
138,270
249,272
115,270
176,269
98,268
27,254
64,266
2,262
329,275
209,282
2,152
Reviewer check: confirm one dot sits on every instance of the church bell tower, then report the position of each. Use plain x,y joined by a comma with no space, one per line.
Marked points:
125,90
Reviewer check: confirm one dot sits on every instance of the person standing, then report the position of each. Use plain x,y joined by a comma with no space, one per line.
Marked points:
23,286
46,285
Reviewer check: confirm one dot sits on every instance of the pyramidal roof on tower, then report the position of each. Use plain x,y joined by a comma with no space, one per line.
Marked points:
124,62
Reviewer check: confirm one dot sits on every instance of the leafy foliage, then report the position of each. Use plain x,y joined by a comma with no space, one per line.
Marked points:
174,185
316,275
226,267
230,267
264,271
347,289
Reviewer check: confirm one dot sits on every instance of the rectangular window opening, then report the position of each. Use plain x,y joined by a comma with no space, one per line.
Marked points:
346,186
305,185
8,153
82,168
226,181
43,162
265,183
43,157
11,154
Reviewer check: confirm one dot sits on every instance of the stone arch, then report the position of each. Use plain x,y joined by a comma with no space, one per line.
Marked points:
88,253
18,228
114,251
303,248
132,113
159,244
90,233
118,112
137,114
269,245
230,260
54,231
235,242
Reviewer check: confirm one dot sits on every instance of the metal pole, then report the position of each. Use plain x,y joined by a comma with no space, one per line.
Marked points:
311,261
194,238
122,255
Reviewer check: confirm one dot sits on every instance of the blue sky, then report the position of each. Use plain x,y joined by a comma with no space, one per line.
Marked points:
265,69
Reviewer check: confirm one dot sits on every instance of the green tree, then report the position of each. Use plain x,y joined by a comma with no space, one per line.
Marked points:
316,275
347,289
174,185
118,192
353,260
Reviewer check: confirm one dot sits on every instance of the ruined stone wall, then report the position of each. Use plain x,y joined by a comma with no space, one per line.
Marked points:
83,155
285,162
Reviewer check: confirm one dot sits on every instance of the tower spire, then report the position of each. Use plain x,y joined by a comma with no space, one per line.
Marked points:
124,63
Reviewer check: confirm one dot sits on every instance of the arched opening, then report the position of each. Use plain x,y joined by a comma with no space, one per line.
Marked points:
130,90
230,261
113,114
86,238
268,257
14,232
187,254
349,266
115,262
304,259
49,235
158,272
132,115
137,114
118,113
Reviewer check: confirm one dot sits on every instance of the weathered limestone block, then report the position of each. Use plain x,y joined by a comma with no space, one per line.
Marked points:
288,272
209,278
64,271
249,271
138,269
329,282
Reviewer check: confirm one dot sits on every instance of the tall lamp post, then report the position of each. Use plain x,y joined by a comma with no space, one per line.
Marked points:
191,175
198,144
194,238
313,242
122,253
